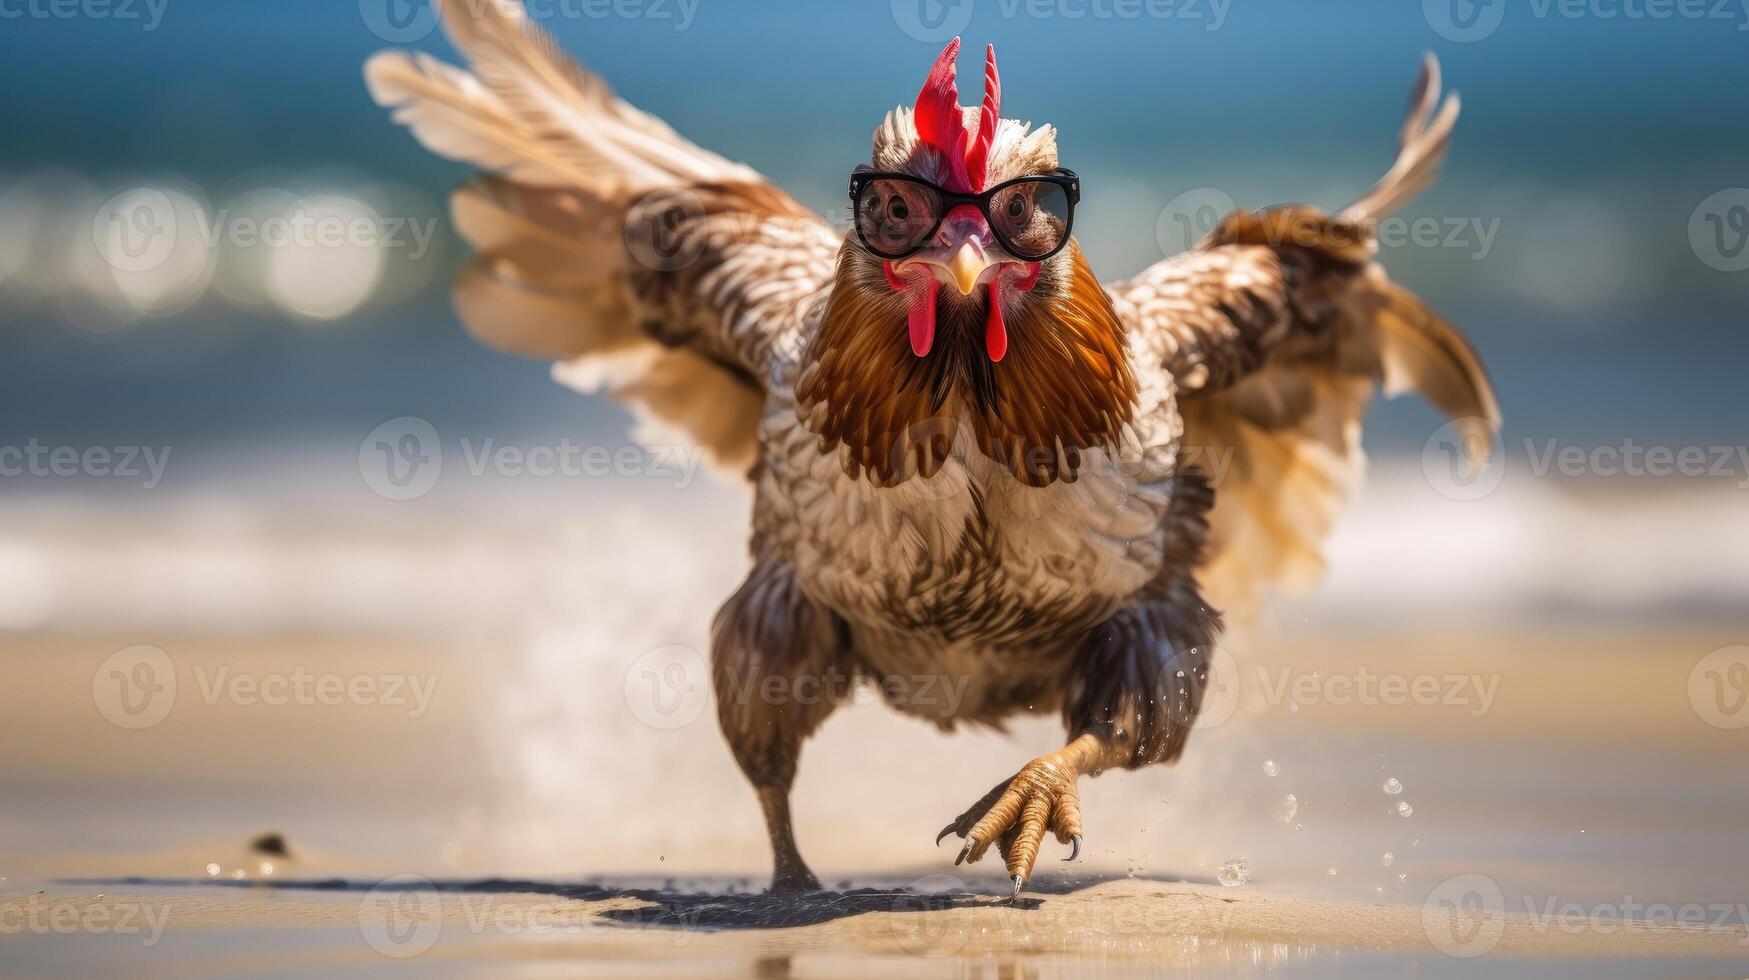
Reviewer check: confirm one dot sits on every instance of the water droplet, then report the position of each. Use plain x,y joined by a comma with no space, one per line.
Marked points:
1393,787
1299,826
1234,873
1273,768
213,870
1285,810
1331,872
1405,810
1402,877
1390,859
237,874
267,867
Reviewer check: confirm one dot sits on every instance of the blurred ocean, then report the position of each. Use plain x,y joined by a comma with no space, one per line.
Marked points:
1567,236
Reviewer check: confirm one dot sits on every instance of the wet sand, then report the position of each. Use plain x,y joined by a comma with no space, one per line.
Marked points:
1122,927
1565,772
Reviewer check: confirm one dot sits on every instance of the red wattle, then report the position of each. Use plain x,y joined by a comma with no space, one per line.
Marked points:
995,327
995,331
920,315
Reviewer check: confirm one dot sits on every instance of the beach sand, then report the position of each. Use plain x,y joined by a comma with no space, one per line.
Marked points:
525,803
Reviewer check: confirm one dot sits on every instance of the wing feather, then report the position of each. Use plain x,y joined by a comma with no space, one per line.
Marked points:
1278,330
659,272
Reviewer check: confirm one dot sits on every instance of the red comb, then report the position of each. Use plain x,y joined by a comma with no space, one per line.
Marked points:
941,123
991,114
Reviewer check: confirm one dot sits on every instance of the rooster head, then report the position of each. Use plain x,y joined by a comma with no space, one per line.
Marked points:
961,300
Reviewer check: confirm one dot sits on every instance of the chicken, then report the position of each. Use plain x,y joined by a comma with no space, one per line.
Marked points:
975,468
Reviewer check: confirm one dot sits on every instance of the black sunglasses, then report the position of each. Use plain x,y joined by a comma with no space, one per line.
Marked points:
896,214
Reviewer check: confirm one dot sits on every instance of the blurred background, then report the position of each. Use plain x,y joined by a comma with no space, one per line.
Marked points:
243,435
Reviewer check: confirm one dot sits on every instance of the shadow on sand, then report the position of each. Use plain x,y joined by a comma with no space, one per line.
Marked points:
667,907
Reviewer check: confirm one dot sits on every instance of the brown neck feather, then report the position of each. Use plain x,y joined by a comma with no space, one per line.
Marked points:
1065,380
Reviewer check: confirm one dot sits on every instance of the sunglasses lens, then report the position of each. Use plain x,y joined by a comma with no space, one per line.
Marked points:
1030,217
894,216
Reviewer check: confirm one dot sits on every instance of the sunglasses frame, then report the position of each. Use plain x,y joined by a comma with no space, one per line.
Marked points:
1064,178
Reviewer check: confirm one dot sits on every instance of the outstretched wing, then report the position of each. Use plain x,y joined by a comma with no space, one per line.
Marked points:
650,268
1277,328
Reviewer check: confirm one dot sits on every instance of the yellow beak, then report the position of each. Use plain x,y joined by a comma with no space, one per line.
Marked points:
967,265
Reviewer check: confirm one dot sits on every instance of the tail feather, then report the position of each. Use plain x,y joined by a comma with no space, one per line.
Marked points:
1420,352
1421,148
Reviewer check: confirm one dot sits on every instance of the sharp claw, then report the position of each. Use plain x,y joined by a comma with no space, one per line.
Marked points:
944,832
964,851
1018,881
1074,842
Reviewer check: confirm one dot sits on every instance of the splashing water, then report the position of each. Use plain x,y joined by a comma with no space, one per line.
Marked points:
1285,810
1234,873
